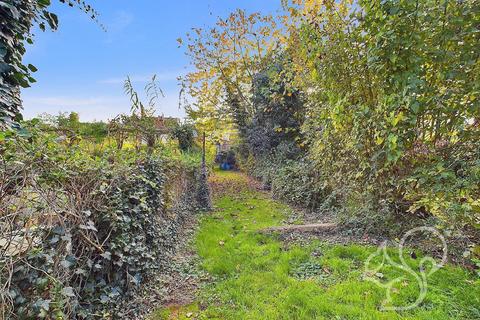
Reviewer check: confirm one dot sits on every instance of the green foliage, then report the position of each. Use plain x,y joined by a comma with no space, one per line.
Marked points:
377,104
81,233
257,276
278,116
96,131
185,135
70,126
397,115
298,183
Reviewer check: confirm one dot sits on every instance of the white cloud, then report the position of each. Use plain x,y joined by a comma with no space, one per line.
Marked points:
94,108
89,108
117,26
120,22
62,101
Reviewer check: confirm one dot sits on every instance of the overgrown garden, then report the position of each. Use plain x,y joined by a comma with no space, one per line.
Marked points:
90,213
86,223
363,112
366,109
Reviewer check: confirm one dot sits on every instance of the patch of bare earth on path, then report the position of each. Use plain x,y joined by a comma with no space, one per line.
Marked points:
305,234
314,227
180,286
176,284
231,185
183,277
302,227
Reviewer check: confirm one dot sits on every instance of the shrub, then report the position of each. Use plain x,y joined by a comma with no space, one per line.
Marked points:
79,234
185,135
297,183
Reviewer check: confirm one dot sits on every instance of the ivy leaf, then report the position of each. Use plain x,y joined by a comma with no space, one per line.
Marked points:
399,117
43,3
415,107
68,292
107,255
89,226
32,68
3,50
4,67
104,299
52,19
66,264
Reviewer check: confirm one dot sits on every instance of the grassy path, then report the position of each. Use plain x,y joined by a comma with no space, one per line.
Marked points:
257,276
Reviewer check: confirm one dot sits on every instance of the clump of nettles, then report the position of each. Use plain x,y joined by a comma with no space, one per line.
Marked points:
308,270
312,270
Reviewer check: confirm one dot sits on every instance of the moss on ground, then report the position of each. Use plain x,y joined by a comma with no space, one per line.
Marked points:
257,277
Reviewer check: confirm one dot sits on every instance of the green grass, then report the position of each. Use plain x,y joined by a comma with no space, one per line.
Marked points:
257,277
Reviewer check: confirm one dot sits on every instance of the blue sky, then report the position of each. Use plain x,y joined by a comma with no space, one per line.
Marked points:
82,68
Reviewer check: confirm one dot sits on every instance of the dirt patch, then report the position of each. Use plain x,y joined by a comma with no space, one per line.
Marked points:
183,280
315,227
175,285
325,231
305,238
180,282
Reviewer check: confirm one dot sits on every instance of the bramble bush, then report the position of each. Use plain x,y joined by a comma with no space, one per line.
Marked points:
80,232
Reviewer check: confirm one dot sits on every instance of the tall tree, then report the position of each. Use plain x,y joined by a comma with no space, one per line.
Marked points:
226,59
